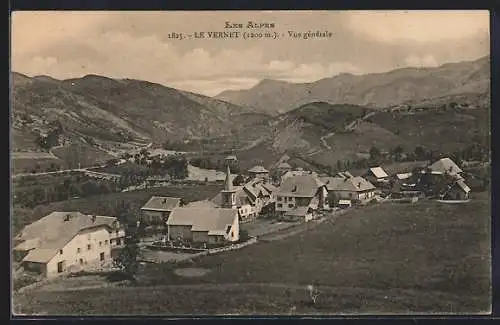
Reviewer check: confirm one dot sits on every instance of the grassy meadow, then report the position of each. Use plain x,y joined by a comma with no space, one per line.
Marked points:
388,258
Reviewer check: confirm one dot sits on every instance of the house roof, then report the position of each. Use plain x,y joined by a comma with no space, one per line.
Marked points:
203,219
258,188
403,175
202,204
161,203
378,172
463,186
445,165
258,169
355,184
40,255
55,230
300,186
270,187
242,197
297,212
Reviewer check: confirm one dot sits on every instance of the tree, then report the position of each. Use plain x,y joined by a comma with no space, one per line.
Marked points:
332,199
128,259
398,152
419,153
238,180
374,153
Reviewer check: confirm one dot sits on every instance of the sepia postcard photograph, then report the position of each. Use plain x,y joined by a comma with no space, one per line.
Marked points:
180,163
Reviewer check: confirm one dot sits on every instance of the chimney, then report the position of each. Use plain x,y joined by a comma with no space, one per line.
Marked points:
67,217
164,200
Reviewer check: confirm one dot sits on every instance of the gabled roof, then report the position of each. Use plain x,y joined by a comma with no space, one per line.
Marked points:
403,175
378,172
55,230
203,219
161,203
201,204
300,186
445,165
354,184
242,197
463,186
258,169
270,188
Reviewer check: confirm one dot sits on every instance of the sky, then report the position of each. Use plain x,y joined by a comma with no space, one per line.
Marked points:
136,45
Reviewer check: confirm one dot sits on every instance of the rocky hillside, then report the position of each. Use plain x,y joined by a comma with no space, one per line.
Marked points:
378,90
101,110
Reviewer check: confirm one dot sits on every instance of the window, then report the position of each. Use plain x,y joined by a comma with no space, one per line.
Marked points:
290,205
78,250
101,256
60,251
100,243
118,241
106,242
81,261
280,198
89,247
112,241
280,205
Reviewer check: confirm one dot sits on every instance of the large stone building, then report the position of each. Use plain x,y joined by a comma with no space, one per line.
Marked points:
299,197
62,241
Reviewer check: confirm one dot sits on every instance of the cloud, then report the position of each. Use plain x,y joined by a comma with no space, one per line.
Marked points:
421,61
421,26
122,55
136,45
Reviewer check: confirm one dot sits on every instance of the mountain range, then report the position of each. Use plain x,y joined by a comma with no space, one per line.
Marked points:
323,120
378,90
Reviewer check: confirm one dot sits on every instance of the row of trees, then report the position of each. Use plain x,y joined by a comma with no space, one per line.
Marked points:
52,138
75,186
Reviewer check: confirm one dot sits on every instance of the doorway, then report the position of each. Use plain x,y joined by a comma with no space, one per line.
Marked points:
60,267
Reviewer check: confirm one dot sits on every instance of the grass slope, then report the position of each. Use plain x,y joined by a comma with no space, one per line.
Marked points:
388,258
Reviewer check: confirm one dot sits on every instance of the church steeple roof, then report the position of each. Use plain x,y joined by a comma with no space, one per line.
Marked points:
228,185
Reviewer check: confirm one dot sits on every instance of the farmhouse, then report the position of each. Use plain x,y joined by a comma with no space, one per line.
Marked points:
157,210
299,192
61,241
259,172
376,175
350,188
204,225
446,166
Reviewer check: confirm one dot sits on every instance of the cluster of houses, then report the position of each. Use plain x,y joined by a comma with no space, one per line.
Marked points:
64,239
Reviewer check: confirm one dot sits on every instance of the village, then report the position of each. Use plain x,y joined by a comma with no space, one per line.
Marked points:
248,208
